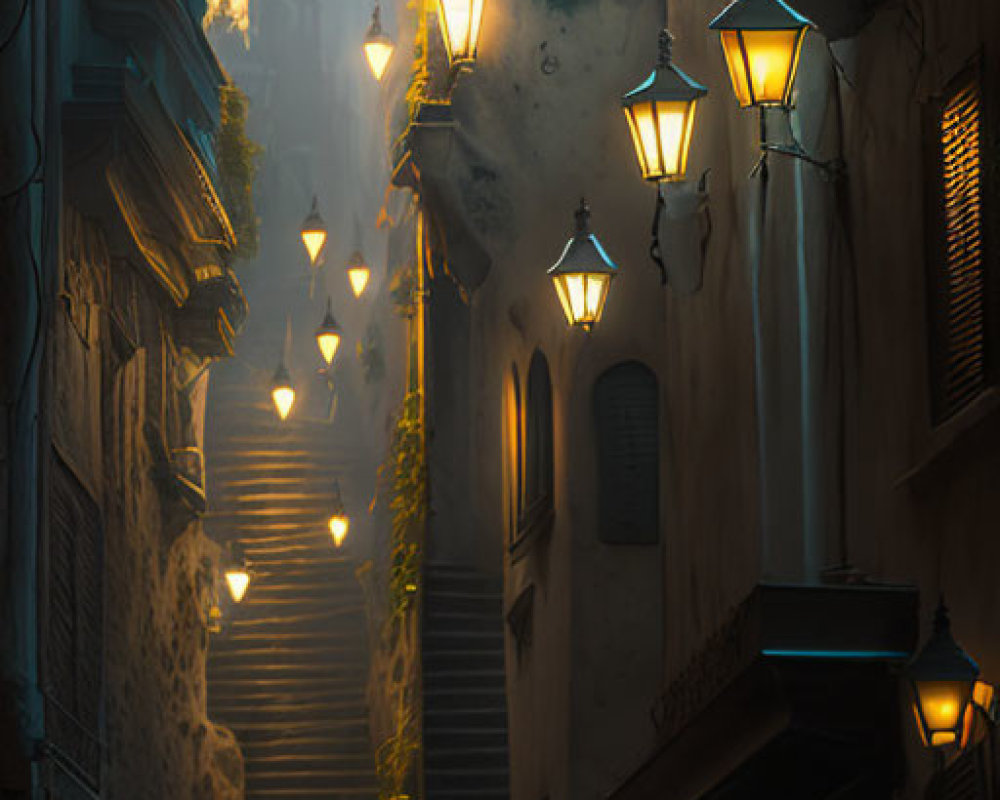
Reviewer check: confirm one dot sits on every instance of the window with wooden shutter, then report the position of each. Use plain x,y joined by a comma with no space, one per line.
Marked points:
74,623
626,406
959,275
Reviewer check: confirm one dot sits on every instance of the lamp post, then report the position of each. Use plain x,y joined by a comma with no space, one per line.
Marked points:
942,677
378,45
314,233
339,521
762,40
582,276
358,273
461,21
328,335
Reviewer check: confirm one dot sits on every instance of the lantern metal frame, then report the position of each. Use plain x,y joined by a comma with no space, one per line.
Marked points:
583,255
282,380
666,84
467,58
236,560
338,509
762,16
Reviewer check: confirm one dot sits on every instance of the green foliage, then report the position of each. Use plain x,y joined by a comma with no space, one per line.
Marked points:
396,756
408,459
237,157
402,290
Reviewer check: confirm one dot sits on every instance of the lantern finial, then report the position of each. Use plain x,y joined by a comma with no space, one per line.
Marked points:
666,49
583,217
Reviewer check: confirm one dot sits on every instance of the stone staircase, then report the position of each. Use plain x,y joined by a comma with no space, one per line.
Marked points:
289,672
465,709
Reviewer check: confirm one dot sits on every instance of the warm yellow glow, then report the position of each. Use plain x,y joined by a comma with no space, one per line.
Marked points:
314,241
328,343
582,296
378,54
236,11
661,134
460,22
284,399
238,579
941,704
983,695
762,64
338,528
358,277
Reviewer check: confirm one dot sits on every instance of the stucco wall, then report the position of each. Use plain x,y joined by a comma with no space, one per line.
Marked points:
794,381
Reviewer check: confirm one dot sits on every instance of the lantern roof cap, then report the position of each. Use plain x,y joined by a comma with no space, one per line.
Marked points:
338,500
761,15
329,323
942,659
282,378
313,221
357,259
667,82
375,33
583,252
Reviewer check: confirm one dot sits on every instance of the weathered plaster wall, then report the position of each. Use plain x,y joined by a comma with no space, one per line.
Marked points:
794,381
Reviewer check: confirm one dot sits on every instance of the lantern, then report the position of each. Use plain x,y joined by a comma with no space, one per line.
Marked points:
460,22
583,273
660,115
357,273
282,391
762,40
942,676
339,521
328,335
314,233
378,45
238,580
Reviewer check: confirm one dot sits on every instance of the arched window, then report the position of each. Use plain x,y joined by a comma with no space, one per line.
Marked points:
512,450
626,400
538,505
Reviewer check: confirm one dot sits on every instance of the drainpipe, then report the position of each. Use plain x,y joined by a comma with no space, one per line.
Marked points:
26,216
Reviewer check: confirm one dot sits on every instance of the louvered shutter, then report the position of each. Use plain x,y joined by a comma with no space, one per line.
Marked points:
959,307
74,640
628,445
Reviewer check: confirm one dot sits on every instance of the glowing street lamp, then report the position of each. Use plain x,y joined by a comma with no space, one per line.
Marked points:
461,21
762,40
328,335
378,45
237,578
942,676
339,521
314,233
660,115
583,273
357,273
282,391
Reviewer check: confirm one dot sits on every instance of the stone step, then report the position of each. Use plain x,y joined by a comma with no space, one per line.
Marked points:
469,777
464,660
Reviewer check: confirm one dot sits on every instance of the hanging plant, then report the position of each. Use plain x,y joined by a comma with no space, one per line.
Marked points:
237,158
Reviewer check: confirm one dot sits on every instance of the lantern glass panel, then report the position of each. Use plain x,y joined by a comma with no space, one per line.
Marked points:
582,296
941,705
328,343
314,241
338,528
238,581
460,24
284,398
661,133
762,64
378,54
358,276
